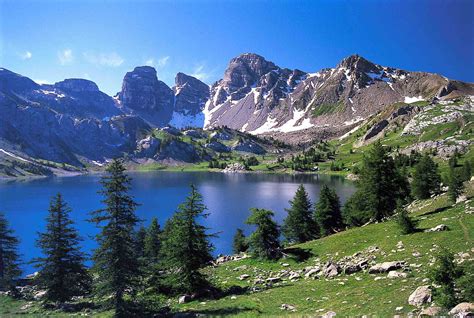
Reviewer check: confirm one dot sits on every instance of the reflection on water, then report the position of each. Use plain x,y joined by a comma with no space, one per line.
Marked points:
227,196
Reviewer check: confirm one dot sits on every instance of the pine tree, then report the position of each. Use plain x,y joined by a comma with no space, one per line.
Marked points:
62,272
240,242
153,241
406,224
115,261
186,247
444,273
299,226
264,241
140,237
426,178
455,184
328,211
379,186
9,258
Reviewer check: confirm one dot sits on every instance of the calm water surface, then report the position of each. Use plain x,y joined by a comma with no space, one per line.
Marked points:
227,196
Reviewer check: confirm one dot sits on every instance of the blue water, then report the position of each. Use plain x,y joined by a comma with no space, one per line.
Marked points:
227,196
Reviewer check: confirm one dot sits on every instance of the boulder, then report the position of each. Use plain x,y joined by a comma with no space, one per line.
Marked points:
395,274
462,310
433,311
234,167
273,279
287,307
312,272
420,296
330,270
329,314
244,276
386,267
438,228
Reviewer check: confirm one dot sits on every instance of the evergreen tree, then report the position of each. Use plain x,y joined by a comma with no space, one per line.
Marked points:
379,186
299,225
240,242
444,273
406,224
328,211
9,259
455,184
186,247
153,241
264,241
140,242
426,178
61,270
467,170
115,261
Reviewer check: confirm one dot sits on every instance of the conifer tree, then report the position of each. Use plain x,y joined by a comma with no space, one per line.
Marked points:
299,226
186,246
426,178
62,272
379,186
153,241
444,273
264,241
115,261
9,258
140,236
240,242
406,224
328,211
455,184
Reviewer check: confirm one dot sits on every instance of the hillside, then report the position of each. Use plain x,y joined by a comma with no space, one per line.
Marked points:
248,291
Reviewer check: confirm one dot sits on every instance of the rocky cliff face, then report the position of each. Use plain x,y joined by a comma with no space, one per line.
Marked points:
190,97
259,97
144,95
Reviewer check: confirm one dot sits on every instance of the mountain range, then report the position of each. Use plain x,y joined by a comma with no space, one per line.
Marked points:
72,120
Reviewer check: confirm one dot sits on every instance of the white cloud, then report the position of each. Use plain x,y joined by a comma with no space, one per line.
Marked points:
160,63
26,55
65,56
200,73
104,59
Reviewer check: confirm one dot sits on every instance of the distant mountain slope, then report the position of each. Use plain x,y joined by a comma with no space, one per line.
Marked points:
258,97
73,122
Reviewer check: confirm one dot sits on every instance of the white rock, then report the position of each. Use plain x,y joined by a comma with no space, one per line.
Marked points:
420,296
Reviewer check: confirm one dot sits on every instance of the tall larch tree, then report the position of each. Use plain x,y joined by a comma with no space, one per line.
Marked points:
115,261
426,178
328,212
153,241
299,225
62,272
264,242
9,258
186,246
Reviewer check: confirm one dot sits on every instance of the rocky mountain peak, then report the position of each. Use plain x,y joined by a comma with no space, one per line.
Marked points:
357,63
77,85
10,81
182,79
145,95
246,69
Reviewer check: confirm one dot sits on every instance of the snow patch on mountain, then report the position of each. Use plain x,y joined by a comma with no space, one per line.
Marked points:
409,100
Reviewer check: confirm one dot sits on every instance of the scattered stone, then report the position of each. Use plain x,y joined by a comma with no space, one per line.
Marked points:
420,296
294,275
233,297
287,307
184,299
395,274
285,264
386,267
438,228
234,167
399,308
463,310
430,311
329,314
400,245
40,294
273,279
330,270
244,276
416,254
312,272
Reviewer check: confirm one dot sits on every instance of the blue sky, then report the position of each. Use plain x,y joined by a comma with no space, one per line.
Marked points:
102,40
